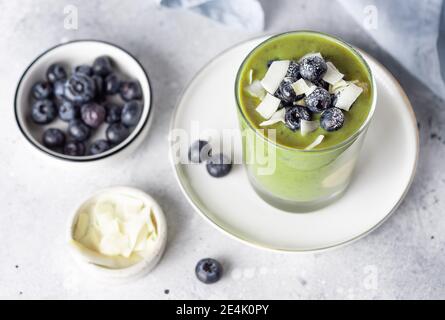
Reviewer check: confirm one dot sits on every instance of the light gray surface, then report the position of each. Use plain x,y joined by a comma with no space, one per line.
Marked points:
37,196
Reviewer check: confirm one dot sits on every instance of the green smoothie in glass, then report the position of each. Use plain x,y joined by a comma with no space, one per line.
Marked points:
305,100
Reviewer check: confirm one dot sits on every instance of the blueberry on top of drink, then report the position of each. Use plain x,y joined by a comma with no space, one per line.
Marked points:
78,104
314,93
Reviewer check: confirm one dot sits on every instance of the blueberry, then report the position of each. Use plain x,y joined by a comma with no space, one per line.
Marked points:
102,66
285,92
131,113
114,112
42,90
74,148
55,73
43,111
318,100
84,69
98,146
112,84
199,151
117,132
130,90
332,119
68,111
294,115
313,68
59,89
53,138
78,130
99,84
80,88
294,71
208,270
322,84
93,114
219,165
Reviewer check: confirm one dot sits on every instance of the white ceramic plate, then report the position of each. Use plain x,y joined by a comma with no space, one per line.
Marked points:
383,176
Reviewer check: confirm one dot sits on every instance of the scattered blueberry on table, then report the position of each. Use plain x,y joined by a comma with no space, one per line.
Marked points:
89,97
209,270
219,165
199,151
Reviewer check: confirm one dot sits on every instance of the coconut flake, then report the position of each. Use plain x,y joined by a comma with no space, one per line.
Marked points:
316,142
311,54
332,75
274,75
308,126
276,117
346,96
255,89
334,88
300,102
303,87
268,106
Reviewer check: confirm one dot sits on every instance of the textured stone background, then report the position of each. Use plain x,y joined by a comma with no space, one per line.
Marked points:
37,197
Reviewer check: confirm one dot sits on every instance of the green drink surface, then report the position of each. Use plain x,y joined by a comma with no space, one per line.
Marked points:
293,46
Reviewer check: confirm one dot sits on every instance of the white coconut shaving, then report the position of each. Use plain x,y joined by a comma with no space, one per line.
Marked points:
255,89
268,106
346,96
276,117
316,142
308,126
332,75
275,75
302,86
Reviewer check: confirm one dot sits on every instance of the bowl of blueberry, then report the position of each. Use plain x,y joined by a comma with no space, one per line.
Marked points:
83,101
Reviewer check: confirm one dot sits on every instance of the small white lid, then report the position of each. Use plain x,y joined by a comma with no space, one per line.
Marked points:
132,272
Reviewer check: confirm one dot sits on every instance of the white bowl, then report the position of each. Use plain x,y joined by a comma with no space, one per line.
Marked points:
132,272
70,55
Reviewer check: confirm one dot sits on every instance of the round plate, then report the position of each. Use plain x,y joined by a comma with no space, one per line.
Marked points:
384,173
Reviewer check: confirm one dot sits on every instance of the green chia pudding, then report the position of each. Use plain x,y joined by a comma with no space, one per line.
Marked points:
307,98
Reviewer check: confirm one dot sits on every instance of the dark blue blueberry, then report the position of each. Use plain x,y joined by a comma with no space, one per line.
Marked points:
102,66
313,68
286,93
84,69
131,113
114,113
322,84
68,111
78,130
42,90
93,114
59,89
199,151
74,148
80,89
332,119
112,84
219,165
99,146
294,115
318,100
130,90
56,72
117,132
53,138
294,71
100,87
43,111
208,270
